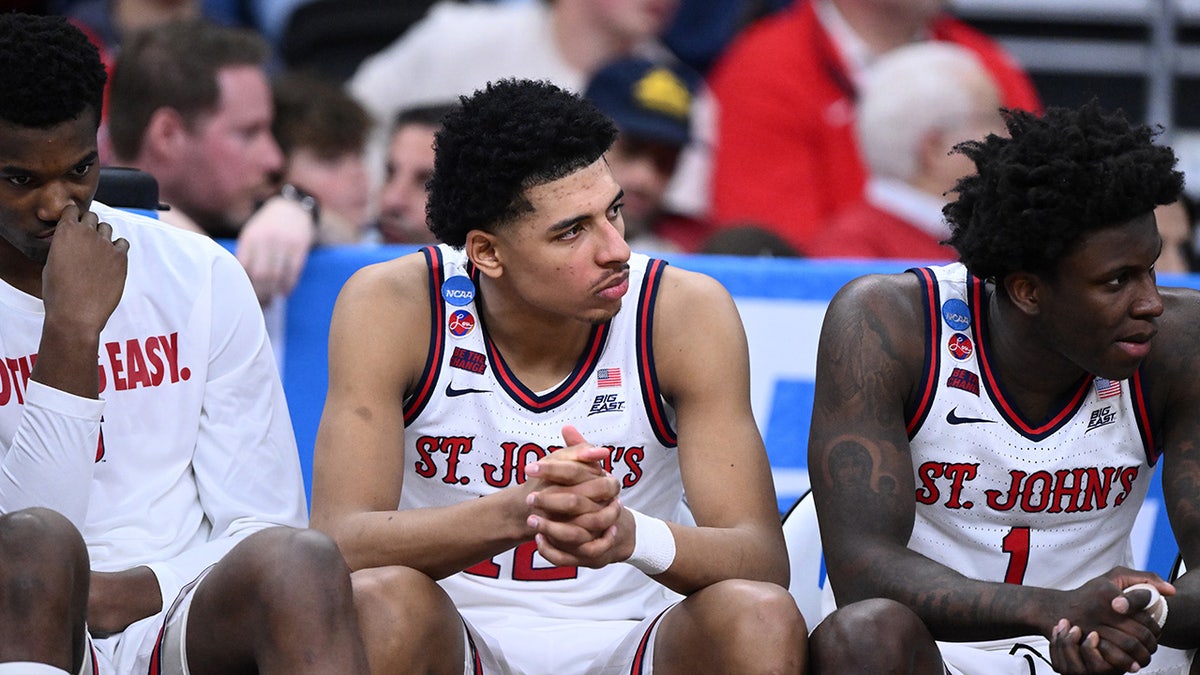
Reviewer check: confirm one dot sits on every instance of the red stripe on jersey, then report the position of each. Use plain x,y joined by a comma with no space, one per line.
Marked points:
932,335
645,338
437,274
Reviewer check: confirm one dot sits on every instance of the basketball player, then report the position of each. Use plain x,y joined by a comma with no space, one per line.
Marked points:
537,402
984,433
139,407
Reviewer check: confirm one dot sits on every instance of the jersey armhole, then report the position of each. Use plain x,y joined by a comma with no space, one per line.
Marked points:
414,404
917,408
651,392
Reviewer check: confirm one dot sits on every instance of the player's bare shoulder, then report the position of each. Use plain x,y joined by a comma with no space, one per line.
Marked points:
685,293
1176,350
889,306
384,310
400,280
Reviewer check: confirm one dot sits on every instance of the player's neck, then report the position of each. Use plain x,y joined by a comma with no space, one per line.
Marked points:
540,350
1036,378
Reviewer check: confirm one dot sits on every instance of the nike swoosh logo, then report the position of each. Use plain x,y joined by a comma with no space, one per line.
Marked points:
451,391
955,419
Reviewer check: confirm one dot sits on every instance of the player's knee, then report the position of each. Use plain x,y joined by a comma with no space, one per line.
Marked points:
755,611
285,562
893,630
42,534
397,595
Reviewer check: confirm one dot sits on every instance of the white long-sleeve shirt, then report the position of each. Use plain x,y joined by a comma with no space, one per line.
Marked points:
190,447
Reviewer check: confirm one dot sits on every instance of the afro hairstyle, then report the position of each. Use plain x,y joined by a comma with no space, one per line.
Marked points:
50,72
1052,180
503,140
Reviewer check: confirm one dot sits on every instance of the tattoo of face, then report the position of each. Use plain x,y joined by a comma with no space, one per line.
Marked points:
852,467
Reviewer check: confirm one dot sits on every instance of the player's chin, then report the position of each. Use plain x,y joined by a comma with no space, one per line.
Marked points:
602,315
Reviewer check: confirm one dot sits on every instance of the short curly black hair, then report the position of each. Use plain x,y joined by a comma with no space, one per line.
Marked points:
1055,178
503,140
50,72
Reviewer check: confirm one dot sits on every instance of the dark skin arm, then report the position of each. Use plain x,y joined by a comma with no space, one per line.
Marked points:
1175,393
860,465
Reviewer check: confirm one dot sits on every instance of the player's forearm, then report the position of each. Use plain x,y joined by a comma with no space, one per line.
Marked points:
1182,629
67,358
706,555
437,541
952,606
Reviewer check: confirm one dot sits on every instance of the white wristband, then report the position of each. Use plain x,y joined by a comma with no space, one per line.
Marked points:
654,545
1157,605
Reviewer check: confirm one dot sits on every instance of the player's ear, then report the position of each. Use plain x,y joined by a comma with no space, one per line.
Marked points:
1023,289
481,249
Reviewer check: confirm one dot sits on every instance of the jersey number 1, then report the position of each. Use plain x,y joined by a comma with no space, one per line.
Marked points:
1016,545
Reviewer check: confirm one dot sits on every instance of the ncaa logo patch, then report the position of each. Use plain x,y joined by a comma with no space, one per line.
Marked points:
461,323
956,314
458,291
960,347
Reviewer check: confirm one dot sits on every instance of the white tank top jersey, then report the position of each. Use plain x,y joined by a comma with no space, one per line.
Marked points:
1046,503
472,426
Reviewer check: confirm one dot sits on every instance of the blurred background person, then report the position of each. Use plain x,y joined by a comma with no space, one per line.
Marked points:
191,105
459,47
408,168
785,154
651,105
1177,227
915,104
322,132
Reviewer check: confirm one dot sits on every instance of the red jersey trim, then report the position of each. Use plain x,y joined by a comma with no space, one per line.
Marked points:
437,337
524,396
651,392
931,300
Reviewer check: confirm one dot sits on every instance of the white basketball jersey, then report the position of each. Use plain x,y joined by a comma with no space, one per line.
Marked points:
1046,503
472,426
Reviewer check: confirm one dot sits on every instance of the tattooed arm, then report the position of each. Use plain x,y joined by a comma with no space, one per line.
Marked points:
868,367
1175,394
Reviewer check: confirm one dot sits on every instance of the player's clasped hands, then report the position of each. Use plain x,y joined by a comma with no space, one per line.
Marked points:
573,505
1108,631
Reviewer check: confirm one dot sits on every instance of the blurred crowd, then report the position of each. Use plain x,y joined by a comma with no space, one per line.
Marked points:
815,128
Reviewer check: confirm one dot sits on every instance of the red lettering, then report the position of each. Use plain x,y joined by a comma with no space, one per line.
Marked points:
1128,475
927,473
6,386
959,474
157,368
1030,491
138,375
118,368
994,496
426,446
501,476
454,447
170,345
1096,491
633,460
1068,484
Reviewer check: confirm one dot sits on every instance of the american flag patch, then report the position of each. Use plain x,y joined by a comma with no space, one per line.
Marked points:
1107,388
608,377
